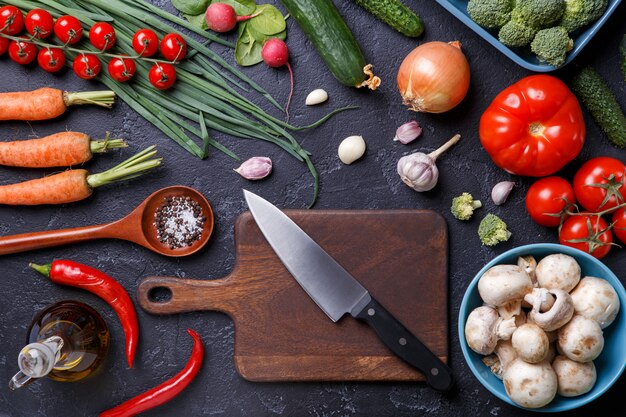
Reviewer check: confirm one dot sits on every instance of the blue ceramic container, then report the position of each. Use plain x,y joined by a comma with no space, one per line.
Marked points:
523,56
609,365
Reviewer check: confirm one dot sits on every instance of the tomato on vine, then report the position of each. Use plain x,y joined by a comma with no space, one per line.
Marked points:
22,52
122,70
162,75
173,47
547,198
11,20
4,45
599,183
68,29
102,36
145,42
39,23
619,224
87,66
51,59
588,233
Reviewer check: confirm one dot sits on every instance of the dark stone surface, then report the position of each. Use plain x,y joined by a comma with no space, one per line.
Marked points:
370,183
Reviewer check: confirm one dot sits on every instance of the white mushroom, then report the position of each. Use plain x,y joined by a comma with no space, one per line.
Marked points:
558,271
484,328
597,300
510,309
542,296
581,339
551,352
529,265
531,385
531,343
557,316
502,356
504,283
574,378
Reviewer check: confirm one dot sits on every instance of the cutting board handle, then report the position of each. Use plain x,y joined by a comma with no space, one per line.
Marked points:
185,295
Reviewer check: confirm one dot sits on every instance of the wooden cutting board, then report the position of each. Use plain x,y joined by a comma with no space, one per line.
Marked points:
400,256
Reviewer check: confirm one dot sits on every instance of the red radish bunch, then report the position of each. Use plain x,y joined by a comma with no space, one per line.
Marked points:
221,17
276,54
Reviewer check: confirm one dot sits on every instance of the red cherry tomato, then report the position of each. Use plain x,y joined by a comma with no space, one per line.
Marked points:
145,42
39,23
534,127
122,70
162,75
173,47
51,59
102,36
22,52
87,66
599,183
587,233
68,29
11,20
619,227
548,196
4,45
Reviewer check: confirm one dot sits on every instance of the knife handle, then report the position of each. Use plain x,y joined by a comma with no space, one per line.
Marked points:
406,346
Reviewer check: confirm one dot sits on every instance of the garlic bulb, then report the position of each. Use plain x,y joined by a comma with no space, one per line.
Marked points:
255,168
408,132
351,149
316,97
419,171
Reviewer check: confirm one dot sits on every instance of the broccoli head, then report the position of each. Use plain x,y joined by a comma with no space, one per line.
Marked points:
492,230
579,13
516,34
464,205
551,45
490,14
539,14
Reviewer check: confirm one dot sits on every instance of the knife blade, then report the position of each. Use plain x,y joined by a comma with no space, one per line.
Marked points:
338,293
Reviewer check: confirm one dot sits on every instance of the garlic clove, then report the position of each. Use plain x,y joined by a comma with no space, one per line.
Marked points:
255,168
408,132
351,149
316,97
501,191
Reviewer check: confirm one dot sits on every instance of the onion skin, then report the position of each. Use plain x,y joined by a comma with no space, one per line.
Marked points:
434,77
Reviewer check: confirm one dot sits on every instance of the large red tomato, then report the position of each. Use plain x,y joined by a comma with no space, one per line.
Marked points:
534,127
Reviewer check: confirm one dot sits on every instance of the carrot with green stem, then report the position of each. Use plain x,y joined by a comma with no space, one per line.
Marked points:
63,149
75,184
48,103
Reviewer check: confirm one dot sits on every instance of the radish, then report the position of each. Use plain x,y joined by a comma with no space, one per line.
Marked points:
276,54
221,17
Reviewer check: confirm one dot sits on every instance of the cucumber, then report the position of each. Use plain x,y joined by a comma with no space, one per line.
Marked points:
601,102
323,25
622,55
395,14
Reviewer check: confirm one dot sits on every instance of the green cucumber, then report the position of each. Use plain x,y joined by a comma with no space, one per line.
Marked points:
323,25
395,14
601,102
622,55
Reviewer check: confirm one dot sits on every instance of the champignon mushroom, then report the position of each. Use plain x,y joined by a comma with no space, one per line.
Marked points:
502,356
529,265
530,342
574,378
484,328
510,309
558,271
531,385
504,283
559,314
581,339
551,352
597,300
542,296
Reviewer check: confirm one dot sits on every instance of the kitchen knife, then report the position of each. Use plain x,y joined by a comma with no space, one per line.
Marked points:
336,292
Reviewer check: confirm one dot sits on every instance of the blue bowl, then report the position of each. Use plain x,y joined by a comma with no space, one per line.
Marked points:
609,365
523,56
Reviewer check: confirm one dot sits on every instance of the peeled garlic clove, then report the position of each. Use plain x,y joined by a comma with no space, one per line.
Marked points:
408,132
255,168
501,191
316,97
351,149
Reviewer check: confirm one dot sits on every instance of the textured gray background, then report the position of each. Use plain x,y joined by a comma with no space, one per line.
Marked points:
371,183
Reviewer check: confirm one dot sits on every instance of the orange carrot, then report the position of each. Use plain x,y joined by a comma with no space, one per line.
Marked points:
47,103
58,150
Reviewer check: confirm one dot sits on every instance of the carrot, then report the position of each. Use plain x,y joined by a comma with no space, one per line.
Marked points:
47,103
58,150
75,185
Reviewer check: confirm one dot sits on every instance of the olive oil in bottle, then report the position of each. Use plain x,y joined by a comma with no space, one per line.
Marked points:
67,341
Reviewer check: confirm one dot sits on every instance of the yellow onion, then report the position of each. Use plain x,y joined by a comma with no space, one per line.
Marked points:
434,77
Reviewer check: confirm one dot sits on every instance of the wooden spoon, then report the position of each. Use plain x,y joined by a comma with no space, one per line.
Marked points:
137,227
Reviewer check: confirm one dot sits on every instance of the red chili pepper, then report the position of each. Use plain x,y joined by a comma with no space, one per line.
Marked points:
167,390
82,276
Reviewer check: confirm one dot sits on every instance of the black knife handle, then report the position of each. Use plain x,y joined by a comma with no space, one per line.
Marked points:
405,345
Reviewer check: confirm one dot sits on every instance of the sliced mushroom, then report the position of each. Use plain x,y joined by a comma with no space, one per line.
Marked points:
581,339
531,343
484,328
529,265
558,271
597,300
504,283
557,316
574,378
531,385
502,356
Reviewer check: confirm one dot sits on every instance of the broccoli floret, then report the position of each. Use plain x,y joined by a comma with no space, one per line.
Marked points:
492,230
464,205
516,34
539,14
552,45
579,13
490,14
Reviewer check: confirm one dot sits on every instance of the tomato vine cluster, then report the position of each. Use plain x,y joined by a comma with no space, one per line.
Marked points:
68,30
